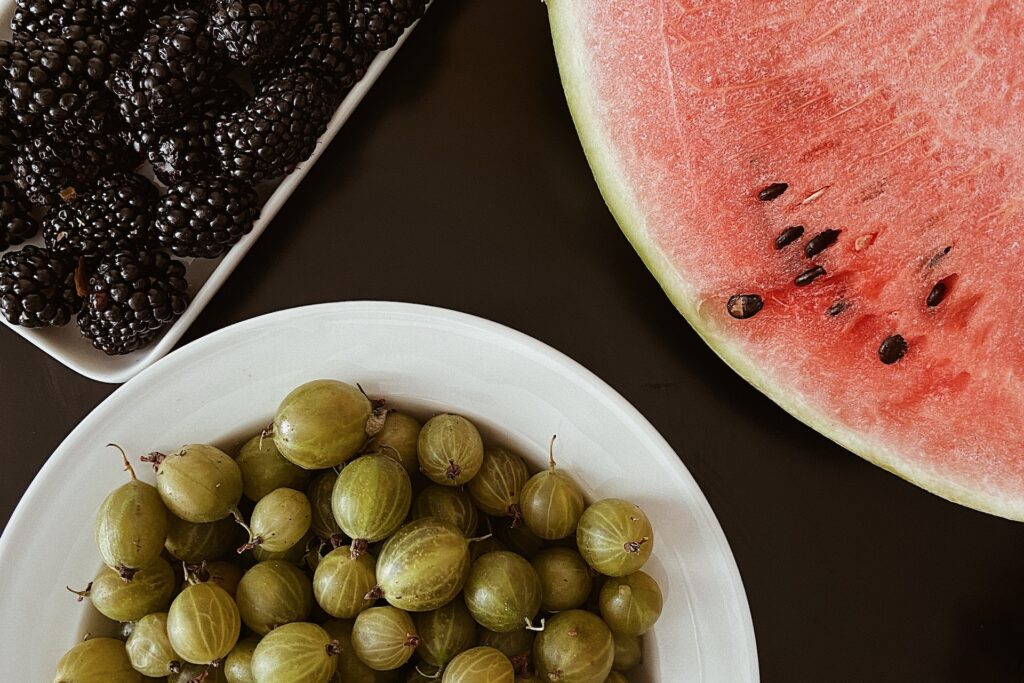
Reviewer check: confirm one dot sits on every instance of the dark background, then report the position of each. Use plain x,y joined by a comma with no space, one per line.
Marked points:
460,182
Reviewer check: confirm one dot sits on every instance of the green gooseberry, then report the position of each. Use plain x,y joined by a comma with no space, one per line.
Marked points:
516,645
629,651
149,648
198,483
131,525
517,537
480,665
320,492
616,677
384,638
445,632
615,537
574,647
450,450
194,542
450,504
399,436
322,424
279,521
238,665
350,668
564,577
299,651
423,565
296,554
149,591
496,487
97,660
341,582
203,623
371,499
631,604
198,673
272,593
264,469
503,592
551,502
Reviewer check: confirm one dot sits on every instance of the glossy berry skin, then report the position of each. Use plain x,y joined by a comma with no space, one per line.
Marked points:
48,164
16,222
37,288
203,623
97,659
378,24
131,297
205,217
325,44
254,31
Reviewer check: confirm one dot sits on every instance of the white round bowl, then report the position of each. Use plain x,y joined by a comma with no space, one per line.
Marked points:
519,391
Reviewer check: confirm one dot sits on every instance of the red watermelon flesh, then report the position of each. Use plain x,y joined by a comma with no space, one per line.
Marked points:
898,124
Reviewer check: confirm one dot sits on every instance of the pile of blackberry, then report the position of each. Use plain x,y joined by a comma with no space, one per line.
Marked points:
209,97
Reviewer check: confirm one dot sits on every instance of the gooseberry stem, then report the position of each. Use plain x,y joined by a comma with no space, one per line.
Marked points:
124,456
421,672
253,540
478,539
531,627
551,453
516,514
82,594
265,432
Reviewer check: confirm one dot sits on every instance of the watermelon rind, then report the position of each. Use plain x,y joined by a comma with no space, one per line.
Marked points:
573,63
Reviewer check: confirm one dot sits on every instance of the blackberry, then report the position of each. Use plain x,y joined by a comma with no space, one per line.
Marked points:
183,150
124,20
254,31
53,163
204,218
37,288
378,24
325,44
114,216
277,129
35,19
11,132
130,298
61,82
16,223
173,68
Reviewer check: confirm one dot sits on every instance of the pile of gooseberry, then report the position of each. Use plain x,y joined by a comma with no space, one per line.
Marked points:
348,543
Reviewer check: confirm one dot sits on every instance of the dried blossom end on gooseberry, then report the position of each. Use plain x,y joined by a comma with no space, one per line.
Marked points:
333,648
634,546
453,470
374,594
359,547
412,640
154,458
126,573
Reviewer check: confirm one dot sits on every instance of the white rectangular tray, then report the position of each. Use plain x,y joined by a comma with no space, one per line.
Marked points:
205,276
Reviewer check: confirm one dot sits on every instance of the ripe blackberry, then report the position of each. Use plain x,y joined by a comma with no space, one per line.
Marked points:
123,20
61,82
172,69
378,24
11,132
254,31
49,164
16,223
130,298
277,129
35,19
114,216
206,217
325,44
187,148
37,288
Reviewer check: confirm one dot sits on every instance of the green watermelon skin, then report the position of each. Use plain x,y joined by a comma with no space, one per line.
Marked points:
902,126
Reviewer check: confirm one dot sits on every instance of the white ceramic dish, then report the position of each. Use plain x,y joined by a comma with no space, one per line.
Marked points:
205,276
227,385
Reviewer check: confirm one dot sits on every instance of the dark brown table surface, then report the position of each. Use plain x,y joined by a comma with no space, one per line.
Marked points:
459,182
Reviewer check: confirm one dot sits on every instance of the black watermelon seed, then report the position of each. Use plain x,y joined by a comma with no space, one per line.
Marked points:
772,192
937,294
934,261
820,242
809,276
836,308
743,306
788,236
892,349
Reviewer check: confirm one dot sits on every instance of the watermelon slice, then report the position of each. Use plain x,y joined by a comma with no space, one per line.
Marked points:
832,193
